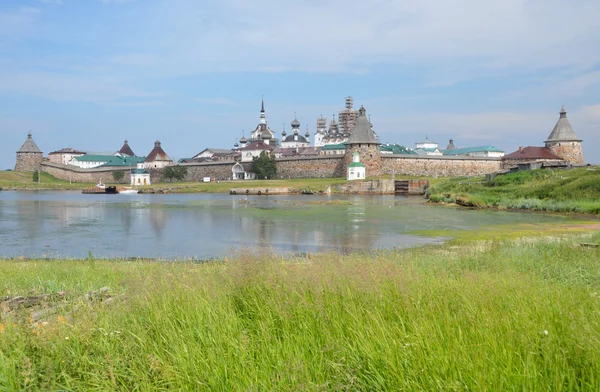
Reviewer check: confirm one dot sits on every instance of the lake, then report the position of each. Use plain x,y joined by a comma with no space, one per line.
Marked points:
199,226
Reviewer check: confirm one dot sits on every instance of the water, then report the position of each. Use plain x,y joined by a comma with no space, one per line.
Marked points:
70,224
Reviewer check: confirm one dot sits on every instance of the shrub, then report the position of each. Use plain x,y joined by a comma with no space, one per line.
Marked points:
264,166
176,172
118,176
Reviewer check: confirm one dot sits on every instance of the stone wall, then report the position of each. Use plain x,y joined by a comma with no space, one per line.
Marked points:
373,187
438,166
76,174
326,166
28,161
569,151
218,170
369,154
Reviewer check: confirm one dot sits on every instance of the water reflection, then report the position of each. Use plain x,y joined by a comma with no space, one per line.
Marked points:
200,225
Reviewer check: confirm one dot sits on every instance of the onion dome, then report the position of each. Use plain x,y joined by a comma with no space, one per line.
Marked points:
295,124
307,134
236,145
243,140
283,133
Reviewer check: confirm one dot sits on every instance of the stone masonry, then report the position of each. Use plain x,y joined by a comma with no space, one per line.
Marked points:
311,167
438,166
76,174
28,161
369,155
569,151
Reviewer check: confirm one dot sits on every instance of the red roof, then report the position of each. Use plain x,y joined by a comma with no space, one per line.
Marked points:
258,146
531,152
157,154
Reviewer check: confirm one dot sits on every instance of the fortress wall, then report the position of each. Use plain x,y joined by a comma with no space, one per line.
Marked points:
75,174
438,166
326,166
218,170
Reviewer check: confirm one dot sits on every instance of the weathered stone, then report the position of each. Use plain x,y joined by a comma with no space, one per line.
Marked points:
369,155
441,166
28,161
570,151
311,167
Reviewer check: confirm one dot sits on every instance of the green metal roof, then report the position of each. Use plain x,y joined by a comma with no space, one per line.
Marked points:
124,161
340,146
396,149
94,158
356,164
140,171
468,150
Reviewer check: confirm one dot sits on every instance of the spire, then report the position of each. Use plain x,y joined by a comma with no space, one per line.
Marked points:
263,118
29,134
562,130
262,104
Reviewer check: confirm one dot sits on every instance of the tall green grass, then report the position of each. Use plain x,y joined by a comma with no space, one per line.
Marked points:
573,190
487,316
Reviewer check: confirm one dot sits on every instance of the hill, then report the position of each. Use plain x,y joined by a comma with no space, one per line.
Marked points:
565,190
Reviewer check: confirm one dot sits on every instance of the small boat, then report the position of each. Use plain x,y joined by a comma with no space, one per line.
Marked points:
129,191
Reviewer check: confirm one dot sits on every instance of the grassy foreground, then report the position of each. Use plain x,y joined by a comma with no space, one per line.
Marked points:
515,315
573,190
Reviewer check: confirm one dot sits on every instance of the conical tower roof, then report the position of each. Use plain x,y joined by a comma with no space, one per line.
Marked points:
126,149
563,132
29,145
157,154
362,132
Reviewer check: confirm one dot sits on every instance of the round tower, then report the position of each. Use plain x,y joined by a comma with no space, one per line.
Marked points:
29,156
364,142
563,141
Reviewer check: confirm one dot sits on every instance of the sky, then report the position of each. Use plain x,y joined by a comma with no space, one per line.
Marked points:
88,74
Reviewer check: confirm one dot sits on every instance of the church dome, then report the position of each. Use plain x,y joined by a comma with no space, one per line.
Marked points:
243,140
295,124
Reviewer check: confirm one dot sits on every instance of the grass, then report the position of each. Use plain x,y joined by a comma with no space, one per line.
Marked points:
573,190
497,315
24,181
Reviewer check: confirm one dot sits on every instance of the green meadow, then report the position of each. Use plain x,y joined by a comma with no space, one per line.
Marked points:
561,190
506,314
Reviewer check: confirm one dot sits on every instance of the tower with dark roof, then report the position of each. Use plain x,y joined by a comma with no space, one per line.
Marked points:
563,141
365,143
29,156
126,150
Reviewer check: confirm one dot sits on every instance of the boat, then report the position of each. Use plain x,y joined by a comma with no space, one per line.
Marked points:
129,191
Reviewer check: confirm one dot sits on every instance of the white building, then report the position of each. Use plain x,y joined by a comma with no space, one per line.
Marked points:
140,177
157,159
356,170
243,171
295,139
321,133
253,150
427,147
64,156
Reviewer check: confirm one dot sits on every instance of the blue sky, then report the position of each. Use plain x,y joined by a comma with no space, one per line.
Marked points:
89,73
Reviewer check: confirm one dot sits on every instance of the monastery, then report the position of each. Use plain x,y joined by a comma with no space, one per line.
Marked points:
346,147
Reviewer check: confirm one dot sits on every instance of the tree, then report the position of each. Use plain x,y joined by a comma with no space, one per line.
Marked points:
118,175
36,176
176,172
264,166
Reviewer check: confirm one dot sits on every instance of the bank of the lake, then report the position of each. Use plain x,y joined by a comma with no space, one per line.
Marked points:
496,315
561,190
